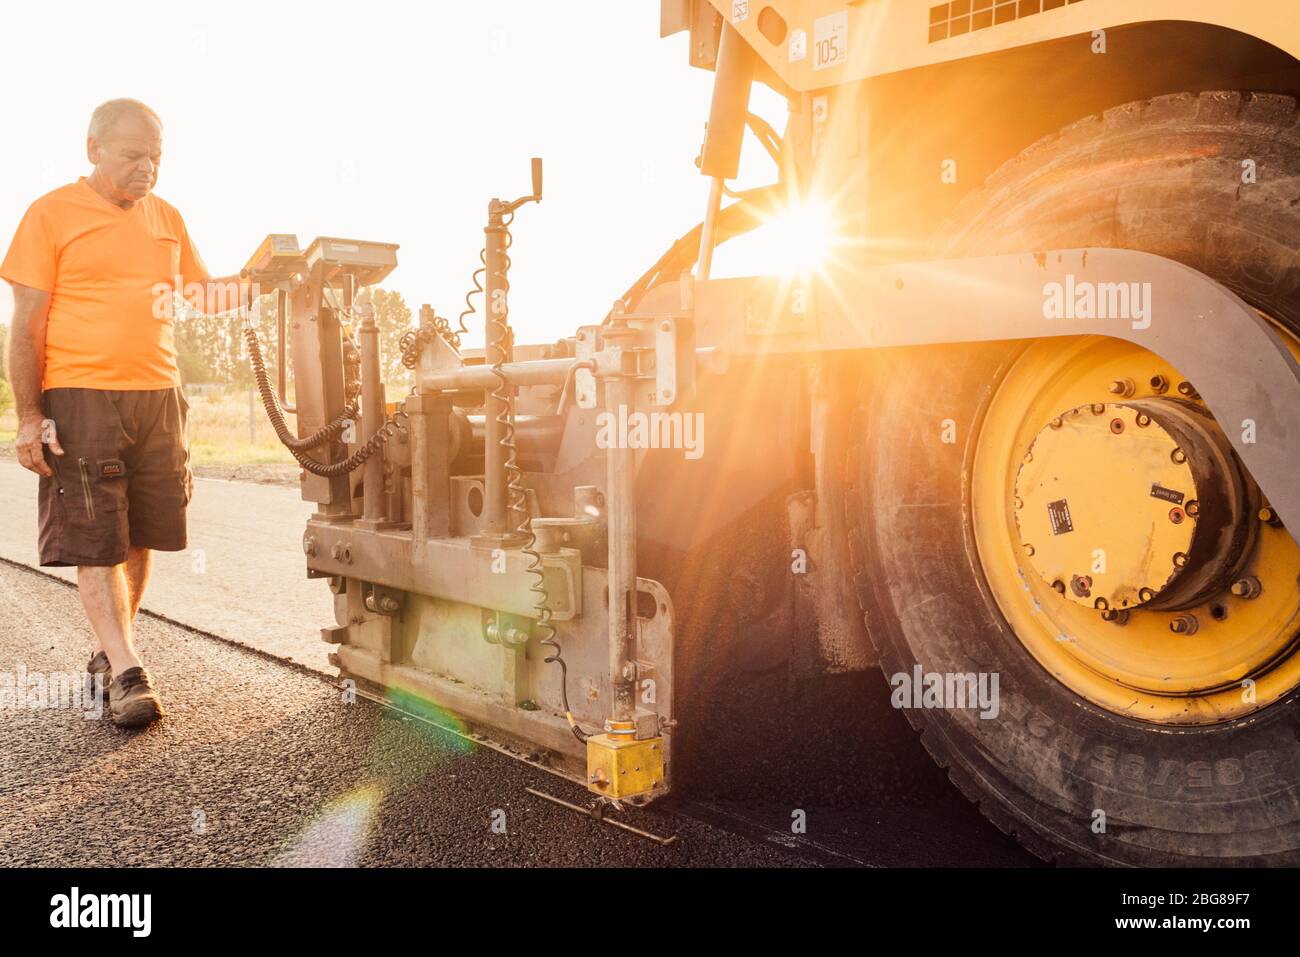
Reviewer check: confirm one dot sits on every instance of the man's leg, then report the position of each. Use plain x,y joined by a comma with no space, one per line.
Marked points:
139,562
107,599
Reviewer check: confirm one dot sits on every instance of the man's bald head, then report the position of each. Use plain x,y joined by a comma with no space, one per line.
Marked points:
107,115
124,143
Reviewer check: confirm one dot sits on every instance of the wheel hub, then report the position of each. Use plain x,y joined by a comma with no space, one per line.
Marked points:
1132,505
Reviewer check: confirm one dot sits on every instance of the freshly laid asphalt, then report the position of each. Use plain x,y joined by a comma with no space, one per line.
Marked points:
261,762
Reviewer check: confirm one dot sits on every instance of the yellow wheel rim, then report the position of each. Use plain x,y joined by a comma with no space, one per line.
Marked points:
1061,472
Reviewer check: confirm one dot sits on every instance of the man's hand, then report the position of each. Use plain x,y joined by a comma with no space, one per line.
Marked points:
33,433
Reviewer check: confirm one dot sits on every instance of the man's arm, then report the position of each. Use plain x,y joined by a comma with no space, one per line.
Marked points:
26,371
222,294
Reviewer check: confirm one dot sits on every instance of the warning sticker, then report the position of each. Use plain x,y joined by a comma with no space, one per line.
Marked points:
797,49
739,11
1168,494
1058,513
830,40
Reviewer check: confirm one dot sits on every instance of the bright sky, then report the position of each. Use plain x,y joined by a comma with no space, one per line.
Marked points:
390,121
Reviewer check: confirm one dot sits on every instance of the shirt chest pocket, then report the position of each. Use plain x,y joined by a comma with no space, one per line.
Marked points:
165,254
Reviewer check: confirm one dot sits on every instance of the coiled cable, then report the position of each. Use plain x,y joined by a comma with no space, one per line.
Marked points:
411,343
517,498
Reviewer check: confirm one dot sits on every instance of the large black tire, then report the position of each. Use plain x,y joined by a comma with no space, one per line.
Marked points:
1163,176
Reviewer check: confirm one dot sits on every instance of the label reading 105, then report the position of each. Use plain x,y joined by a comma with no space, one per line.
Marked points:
830,40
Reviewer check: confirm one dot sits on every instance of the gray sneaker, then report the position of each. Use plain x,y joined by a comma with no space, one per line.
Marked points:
132,702
99,666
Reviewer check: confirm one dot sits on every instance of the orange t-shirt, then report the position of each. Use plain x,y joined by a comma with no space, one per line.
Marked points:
110,273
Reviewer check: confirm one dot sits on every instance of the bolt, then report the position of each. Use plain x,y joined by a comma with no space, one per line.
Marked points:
1184,625
309,547
1159,384
1101,604
1115,617
1057,423
1146,594
1193,507
1180,560
337,552
1188,390
1248,587
1029,550
1098,408
389,604
1143,420
1081,585
1117,426
1268,516
1179,456
1125,387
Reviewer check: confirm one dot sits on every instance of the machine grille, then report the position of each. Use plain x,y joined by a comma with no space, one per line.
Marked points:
966,16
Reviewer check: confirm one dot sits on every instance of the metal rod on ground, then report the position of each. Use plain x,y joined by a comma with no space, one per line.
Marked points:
586,812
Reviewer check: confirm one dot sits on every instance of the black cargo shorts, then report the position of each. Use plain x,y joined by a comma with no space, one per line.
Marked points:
123,478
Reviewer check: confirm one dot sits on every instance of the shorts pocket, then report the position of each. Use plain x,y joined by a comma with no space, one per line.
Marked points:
91,493
101,490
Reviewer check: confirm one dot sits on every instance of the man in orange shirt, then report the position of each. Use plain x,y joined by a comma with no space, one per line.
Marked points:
102,418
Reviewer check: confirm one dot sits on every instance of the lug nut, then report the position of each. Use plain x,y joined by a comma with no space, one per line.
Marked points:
1193,507
1184,625
1159,384
1180,560
1188,390
1098,408
1248,587
1143,420
1178,456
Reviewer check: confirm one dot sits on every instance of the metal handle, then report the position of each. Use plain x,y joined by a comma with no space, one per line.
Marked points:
281,353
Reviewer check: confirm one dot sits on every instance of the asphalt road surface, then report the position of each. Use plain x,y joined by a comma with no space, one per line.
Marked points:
243,576
260,761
